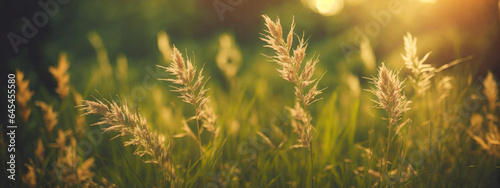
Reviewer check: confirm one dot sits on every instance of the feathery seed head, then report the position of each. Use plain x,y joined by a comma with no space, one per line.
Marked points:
488,137
164,46
124,122
301,124
40,150
61,75
69,163
23,95
92,107
293,70
388,90
274,29
491,91
190,84
29,178
421,72
49,116
444,87
229,56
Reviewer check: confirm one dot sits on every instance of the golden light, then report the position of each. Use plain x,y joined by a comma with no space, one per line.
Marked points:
325,7
329,7
428,1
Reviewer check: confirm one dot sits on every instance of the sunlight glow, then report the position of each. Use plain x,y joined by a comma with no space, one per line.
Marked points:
329,7
428,1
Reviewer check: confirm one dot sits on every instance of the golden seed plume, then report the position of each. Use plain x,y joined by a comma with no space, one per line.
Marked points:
190,84
367,55
49,116
60,73
72,168
229,56
29,178
209,118
79,120
444,88
421,72
122,70
301,124
23,95
124,122
488,137
491,91
105,69
62,138
296,72
484,129
389,92
102,183
164,46
293,69
40,150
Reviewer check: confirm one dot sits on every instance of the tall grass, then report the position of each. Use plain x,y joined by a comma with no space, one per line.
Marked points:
192,131
294,71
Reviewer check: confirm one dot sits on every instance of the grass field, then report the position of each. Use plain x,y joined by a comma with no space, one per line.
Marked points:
278,114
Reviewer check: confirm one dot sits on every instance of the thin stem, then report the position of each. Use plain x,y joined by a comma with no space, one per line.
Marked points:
430,140
196,106
198,130
386,166
312,163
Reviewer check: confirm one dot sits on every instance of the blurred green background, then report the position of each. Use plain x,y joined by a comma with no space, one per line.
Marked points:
449,28
339,31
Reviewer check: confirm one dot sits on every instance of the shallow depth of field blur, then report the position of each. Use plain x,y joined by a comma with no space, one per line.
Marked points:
448,138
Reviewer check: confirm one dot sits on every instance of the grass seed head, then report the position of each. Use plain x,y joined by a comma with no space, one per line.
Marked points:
124,122
60,73
421,72
491,91
23,95
390,97
49,116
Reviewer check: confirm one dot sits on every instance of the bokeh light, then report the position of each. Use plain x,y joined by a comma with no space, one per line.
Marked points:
325,7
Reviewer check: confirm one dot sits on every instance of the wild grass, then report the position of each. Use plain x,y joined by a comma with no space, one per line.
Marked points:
23,95
413,126
301,75
191,87
390,97
126,123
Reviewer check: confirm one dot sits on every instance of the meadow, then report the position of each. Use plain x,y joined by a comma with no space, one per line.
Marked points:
278,114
